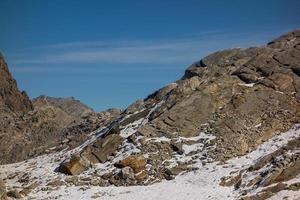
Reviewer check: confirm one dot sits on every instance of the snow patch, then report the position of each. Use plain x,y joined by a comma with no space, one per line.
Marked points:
247,84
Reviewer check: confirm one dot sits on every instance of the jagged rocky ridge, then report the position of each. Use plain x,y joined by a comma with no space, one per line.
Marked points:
70,105
46,124
214,118
240,96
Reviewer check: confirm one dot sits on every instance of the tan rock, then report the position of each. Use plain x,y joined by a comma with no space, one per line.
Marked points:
284,82
75,166
136,162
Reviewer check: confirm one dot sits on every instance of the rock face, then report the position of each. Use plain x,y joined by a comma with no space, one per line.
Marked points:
224,106
11,99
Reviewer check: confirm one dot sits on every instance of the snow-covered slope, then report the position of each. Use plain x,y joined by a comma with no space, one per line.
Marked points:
204,183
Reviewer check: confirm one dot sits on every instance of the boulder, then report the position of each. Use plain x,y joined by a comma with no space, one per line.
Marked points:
136,162
75,165
100,150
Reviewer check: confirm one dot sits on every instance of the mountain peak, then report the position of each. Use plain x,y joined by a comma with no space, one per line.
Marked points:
11,98
70,105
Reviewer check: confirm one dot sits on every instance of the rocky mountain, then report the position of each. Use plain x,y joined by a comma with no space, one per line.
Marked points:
30,128
228,129
11,99
70,105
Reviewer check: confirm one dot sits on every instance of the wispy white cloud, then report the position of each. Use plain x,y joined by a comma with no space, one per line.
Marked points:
182,50
25,69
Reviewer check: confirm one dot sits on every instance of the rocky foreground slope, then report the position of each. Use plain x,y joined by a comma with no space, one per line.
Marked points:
227,130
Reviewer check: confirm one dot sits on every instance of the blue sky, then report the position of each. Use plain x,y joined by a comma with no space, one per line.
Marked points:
111,53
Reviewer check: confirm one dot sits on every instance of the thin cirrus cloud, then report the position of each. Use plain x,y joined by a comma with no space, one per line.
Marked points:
183,50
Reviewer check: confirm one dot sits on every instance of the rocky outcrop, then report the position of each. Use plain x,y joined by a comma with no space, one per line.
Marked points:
266,99
284,164
11,99
271,172
46,130
98,152
237,98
